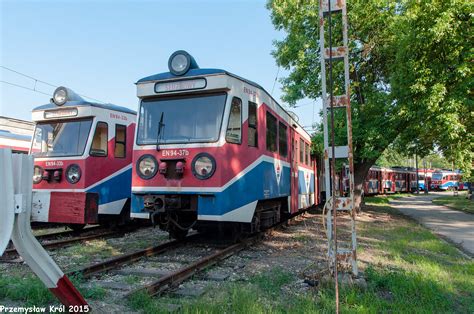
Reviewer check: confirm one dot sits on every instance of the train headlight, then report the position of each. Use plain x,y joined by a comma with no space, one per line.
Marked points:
147,167
73,174
37,174
60,96
180,62
203,166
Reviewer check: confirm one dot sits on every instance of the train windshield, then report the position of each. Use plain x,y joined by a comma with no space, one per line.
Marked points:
60,139
181,120
437,176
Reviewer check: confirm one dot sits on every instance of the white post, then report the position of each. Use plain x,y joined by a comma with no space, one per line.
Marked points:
6,196
16,172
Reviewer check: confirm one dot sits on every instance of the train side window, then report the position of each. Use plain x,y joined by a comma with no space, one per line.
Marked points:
282,140
234,127
271,132
120,141
301,152
253,123
100,140
308,159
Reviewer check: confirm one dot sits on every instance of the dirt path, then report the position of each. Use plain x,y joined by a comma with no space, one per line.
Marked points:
454,225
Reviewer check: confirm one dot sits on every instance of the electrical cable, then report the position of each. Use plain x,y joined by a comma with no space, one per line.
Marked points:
21,86
36,81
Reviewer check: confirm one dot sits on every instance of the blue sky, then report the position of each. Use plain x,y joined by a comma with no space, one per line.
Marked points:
100,48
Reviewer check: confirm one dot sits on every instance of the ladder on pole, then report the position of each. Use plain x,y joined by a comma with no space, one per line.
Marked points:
331,103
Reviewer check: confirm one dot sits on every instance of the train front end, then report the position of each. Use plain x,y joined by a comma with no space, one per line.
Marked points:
178,156
82,172
199,160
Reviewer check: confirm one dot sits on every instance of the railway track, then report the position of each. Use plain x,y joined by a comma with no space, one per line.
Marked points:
67,233
11,253
163,267
174,279
115,262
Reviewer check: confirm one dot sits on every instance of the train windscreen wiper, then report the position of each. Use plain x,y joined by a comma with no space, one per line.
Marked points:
161,127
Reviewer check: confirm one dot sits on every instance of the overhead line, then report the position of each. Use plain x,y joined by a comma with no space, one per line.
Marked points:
41,81
30,77
21,86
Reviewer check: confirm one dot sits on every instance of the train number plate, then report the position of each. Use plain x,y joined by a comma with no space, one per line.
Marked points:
175,153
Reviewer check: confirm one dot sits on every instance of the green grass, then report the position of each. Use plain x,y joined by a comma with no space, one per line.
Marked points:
407,269
83,253
29,290
272,281
459,202
301,237
384,199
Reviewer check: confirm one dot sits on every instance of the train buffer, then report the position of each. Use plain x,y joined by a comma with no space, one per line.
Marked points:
16,171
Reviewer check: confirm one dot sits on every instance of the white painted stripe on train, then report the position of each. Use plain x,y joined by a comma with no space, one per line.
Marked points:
211,189
110,177
15,143
241,214
112,208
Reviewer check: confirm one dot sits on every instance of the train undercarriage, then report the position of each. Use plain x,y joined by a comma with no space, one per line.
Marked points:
177,214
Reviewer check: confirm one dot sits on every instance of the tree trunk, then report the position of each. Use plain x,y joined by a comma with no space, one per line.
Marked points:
360,173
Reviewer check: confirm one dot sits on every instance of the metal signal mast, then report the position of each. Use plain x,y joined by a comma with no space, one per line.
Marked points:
337,200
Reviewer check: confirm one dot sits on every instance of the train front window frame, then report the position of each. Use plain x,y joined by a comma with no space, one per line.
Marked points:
64,138
101,150
233,133
150,116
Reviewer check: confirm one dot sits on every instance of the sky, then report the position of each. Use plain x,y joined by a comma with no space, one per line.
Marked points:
101,48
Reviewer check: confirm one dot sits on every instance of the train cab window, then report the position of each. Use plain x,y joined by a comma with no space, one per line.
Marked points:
301,152
282,140
234,127
253,120
100,140
271,135
120,141
308,159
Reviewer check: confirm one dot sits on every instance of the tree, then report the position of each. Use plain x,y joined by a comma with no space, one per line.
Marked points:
407,80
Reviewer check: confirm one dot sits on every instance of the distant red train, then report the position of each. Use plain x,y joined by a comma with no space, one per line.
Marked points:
382,180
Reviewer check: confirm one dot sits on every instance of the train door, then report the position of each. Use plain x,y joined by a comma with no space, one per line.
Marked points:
294,172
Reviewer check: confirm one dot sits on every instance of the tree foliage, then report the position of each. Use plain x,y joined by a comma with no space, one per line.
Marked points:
411,72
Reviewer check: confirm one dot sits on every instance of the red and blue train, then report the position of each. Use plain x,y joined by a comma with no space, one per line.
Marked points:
215,151
83,161
447,180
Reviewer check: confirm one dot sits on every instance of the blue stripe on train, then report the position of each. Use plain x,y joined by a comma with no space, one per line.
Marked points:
115,188
238,193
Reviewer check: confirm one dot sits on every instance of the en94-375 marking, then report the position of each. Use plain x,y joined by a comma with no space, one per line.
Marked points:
175,153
